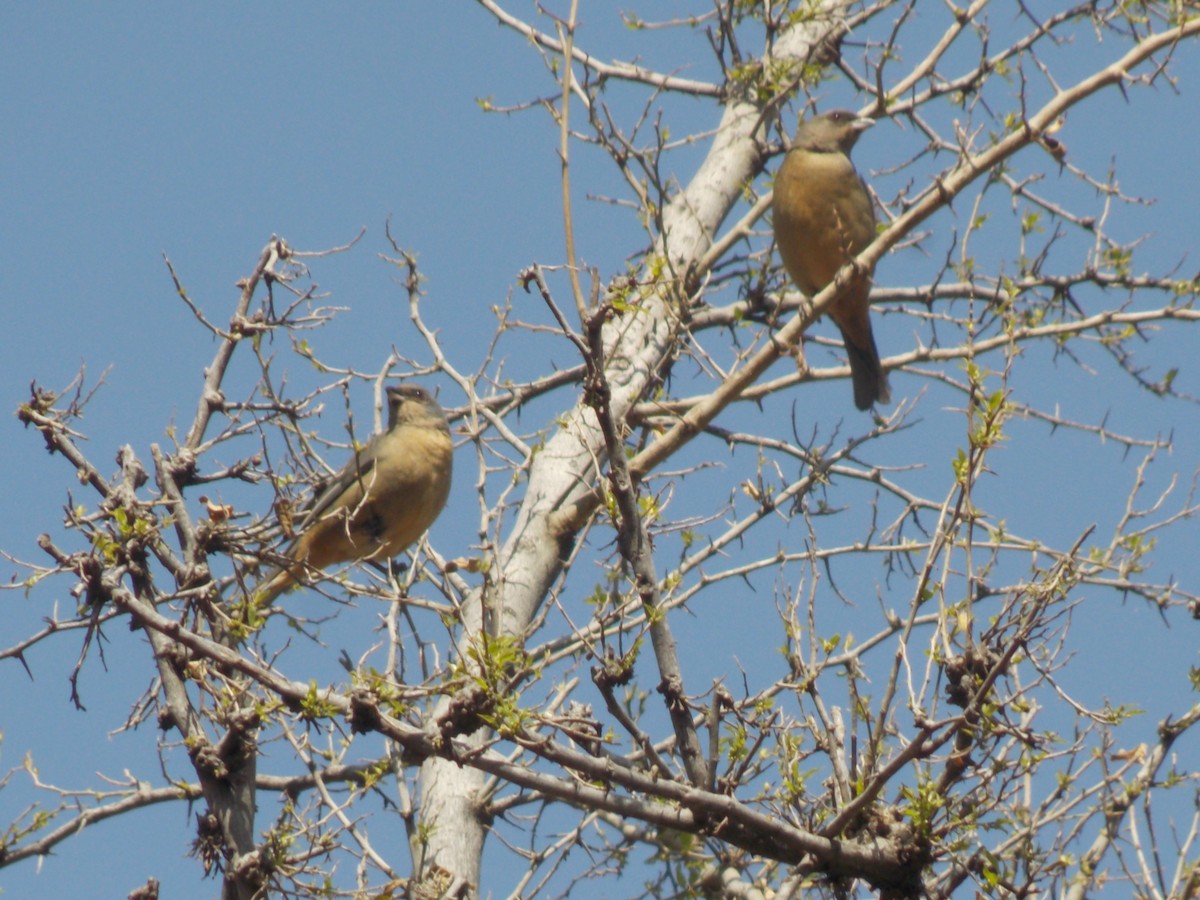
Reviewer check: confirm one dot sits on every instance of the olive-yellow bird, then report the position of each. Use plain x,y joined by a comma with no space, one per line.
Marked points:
382,501
823,218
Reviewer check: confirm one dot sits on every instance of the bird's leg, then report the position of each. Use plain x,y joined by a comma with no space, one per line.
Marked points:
373,525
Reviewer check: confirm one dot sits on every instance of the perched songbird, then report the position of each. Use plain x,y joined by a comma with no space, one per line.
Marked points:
824,218
384,499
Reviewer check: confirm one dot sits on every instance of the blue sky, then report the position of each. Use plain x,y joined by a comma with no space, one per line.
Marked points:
200,130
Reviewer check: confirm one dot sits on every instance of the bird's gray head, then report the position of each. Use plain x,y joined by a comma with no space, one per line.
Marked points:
412,405
832,131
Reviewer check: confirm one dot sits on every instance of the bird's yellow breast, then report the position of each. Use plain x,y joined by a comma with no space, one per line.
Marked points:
822,216
388,507
412,485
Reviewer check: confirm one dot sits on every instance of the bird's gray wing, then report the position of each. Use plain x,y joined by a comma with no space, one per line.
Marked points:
358,468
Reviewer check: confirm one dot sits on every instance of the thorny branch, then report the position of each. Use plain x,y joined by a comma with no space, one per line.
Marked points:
912,748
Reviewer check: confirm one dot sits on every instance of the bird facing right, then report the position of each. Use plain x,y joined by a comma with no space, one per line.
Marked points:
823,218
384,498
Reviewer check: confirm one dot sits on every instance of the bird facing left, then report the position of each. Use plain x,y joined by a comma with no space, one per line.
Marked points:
382,500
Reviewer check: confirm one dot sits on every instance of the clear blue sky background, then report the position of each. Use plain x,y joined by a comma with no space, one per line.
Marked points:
136,129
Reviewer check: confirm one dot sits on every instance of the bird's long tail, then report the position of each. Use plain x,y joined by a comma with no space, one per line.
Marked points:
866,372
275,583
